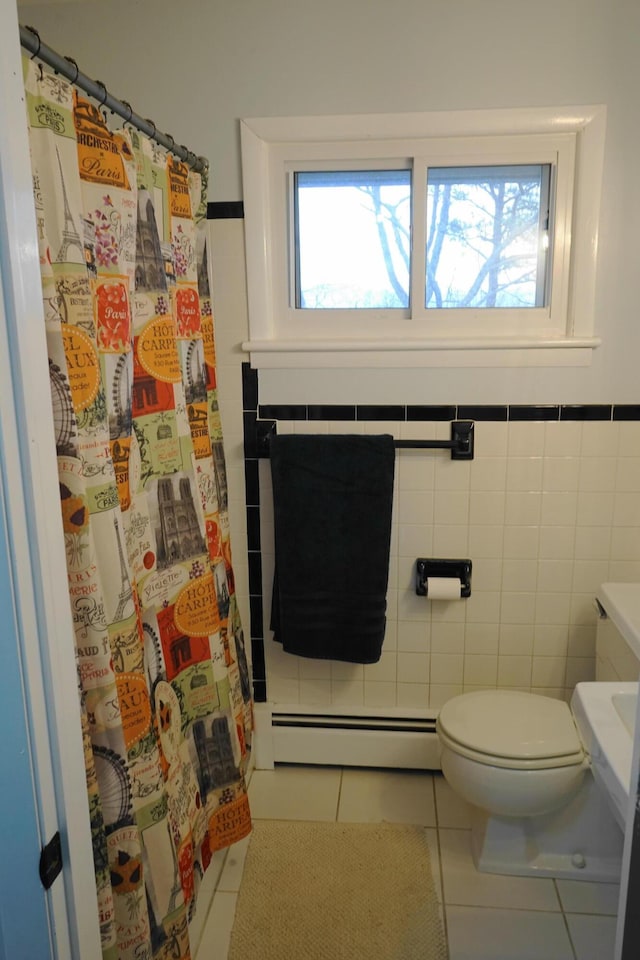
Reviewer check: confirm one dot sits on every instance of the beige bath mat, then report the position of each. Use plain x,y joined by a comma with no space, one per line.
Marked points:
337,891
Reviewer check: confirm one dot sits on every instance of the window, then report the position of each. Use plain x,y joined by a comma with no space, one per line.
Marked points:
488,237
352,234
444,236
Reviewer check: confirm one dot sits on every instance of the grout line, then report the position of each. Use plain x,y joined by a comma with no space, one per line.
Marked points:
445,919
508,908
339,793
435,805
557,892
589,913
571,943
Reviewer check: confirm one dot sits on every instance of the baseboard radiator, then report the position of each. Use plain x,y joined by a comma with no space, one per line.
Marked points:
346,739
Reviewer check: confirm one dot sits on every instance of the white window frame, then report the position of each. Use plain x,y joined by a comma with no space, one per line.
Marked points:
572,139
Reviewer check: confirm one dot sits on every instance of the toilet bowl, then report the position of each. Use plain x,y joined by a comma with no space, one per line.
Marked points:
515,754
523,764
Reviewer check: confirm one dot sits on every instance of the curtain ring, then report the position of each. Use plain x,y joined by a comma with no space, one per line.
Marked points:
99,83
35,33
155,129
173,143
188,156
71,60
129,108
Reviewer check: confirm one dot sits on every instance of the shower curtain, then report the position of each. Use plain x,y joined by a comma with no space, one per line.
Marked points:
162,671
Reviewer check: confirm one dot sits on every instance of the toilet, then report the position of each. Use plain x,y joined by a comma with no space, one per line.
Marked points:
520,760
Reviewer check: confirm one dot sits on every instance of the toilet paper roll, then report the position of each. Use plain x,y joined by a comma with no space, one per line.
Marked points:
443,588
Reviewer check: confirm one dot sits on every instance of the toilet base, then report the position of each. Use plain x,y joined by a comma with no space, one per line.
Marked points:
580,841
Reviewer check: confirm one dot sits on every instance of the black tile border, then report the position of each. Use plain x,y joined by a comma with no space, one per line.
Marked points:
257,624
432,413
412,413
536,412
255,573
249,388
332,411
470,411
351,413
283,411
251,482
253,528
586,411
225,210
250,438
373,411
626,411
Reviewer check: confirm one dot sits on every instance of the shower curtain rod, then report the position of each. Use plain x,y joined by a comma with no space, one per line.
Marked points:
30,40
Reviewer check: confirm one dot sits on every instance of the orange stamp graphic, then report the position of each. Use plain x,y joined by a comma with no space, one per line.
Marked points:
83,367
187,312
157,351
135,707
113,315
196,609
230,822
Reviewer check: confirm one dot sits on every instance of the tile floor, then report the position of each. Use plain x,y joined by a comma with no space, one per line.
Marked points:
486,917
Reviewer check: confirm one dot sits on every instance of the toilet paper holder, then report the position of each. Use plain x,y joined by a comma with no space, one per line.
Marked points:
429,567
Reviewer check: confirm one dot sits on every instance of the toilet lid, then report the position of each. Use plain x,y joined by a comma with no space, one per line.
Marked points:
512,726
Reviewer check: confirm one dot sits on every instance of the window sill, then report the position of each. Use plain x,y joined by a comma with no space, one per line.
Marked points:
498,352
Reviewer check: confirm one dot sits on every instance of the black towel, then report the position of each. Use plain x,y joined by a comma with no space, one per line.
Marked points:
332,498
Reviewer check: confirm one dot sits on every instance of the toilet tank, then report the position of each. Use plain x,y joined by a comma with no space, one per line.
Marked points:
618,632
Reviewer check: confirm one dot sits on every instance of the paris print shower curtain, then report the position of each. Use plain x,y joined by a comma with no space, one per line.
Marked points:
162,671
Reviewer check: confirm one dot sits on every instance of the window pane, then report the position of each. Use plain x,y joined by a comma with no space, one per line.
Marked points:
352,239
487,236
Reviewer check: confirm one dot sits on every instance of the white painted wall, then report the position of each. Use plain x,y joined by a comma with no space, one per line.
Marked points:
197,67
253,58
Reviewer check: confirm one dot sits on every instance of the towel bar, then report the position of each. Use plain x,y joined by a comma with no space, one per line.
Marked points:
461,443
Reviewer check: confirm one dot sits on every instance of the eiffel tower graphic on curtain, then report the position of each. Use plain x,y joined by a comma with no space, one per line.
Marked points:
70,235
125,597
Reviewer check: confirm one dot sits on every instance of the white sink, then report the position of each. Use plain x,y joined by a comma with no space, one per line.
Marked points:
621,601
605,716
625,705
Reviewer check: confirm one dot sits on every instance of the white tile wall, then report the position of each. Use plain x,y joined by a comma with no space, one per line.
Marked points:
546,512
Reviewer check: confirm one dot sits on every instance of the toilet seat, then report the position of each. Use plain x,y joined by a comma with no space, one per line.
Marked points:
509,729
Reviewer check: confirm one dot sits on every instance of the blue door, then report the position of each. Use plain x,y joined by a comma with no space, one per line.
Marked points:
24,917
